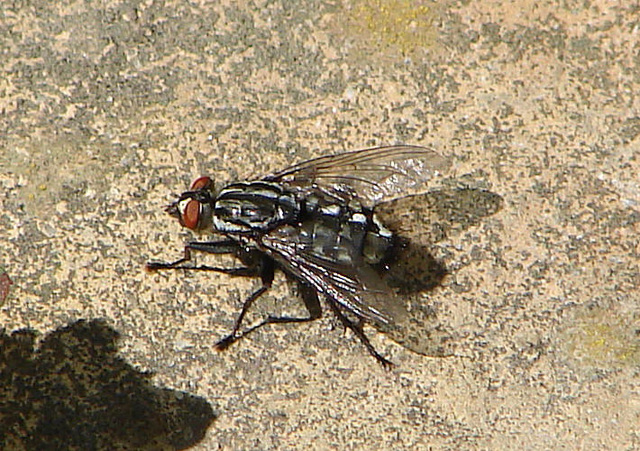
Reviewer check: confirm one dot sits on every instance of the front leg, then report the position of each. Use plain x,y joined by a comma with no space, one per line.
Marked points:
210,247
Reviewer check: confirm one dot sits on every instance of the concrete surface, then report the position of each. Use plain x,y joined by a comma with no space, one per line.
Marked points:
109,109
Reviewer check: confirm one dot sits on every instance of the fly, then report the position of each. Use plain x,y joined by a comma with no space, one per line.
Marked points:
316,222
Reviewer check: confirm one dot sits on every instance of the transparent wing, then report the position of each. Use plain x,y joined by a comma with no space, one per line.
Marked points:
360,290
372,175
356,287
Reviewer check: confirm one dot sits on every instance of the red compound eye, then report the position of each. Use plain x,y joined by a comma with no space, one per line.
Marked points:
191,215
201,183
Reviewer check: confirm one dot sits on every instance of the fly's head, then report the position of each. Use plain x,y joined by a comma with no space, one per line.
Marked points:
194,208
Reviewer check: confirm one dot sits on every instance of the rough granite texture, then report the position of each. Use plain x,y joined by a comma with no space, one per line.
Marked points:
109,109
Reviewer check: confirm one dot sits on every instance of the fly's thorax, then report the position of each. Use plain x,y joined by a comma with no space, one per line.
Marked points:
251,207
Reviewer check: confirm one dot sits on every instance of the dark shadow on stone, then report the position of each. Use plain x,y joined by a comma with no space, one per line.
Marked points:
412,269
74,392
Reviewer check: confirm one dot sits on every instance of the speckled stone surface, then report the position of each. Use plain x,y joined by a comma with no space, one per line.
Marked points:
109,109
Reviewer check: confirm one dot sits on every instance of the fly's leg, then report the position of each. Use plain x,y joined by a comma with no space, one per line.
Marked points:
257,265
210,247
357,329
311,302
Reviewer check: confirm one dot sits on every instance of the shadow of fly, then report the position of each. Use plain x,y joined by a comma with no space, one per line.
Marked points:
316,222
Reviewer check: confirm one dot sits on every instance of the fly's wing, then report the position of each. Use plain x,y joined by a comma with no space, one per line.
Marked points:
373,175
423,333
359,290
